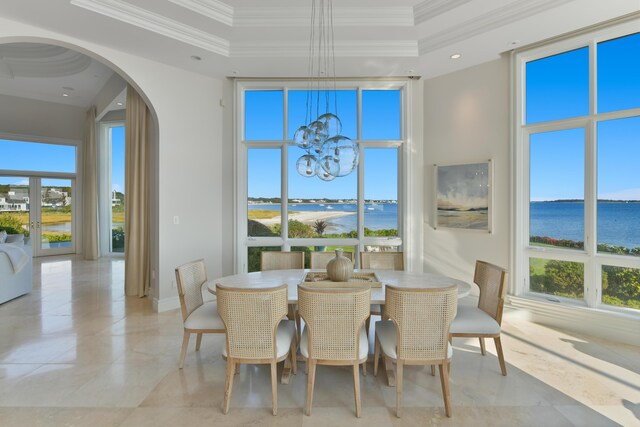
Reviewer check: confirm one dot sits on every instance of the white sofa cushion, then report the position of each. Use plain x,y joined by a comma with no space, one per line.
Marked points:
386,333
205,317
364,344
16,239
285,334
472,320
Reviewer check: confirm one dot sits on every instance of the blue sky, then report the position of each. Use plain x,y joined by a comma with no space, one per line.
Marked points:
380,121
557,87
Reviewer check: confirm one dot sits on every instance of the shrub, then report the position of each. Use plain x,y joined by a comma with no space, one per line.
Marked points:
12,224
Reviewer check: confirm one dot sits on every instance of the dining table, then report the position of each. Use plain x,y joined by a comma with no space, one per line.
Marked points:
293,278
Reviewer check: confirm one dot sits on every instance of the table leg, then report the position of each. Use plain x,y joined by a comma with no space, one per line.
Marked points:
286,371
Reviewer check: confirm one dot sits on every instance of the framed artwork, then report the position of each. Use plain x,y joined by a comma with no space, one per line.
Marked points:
463,196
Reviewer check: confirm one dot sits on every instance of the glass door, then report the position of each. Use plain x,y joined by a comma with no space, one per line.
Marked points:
52,217
15,205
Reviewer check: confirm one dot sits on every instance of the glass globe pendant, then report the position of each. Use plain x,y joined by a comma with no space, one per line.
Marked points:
302,137
345,153
331,124
306,165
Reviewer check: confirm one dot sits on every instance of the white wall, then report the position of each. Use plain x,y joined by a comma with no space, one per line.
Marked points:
189,135
24,116
466,120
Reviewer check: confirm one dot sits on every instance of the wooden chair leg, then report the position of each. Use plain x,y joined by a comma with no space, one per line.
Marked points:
356,388
503,367
310,383
298,331
198,341
482,349
399,372
229,385
444,380
237,371
376,357
306,367
433,370
364,368
294,357
185,345
274,387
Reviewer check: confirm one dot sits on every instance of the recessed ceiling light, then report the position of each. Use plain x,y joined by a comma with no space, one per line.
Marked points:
196,58
456,56
65,94
67,88
119,104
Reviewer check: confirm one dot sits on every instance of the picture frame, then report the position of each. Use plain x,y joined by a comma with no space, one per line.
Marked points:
464,196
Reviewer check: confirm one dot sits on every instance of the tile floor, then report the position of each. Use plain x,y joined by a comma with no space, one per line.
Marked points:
76,352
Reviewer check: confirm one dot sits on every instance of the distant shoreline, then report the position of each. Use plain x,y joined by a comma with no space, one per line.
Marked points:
582,201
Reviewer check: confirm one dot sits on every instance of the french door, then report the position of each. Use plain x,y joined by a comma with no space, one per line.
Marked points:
52,216
41,208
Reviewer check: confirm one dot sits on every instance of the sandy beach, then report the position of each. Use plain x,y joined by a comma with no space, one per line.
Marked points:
306,217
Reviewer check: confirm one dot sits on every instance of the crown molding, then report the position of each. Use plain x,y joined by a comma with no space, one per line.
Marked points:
142,18
489,21
430,9
213,9
295,49
342,17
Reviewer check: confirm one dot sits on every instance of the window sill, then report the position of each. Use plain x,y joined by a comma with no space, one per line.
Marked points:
605,324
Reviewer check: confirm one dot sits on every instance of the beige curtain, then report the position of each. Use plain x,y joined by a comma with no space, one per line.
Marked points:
136,183
90,236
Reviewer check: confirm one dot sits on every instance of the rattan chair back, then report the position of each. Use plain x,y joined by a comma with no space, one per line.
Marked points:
251,317
190,277
319,260
492,281
281,260
423,318
382,260
334,318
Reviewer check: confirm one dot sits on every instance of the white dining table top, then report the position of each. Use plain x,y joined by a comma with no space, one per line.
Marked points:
268,279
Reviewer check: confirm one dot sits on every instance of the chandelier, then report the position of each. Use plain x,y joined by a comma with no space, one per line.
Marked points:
328,154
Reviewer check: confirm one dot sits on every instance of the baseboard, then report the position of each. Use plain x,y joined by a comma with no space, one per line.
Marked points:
165,304
603,324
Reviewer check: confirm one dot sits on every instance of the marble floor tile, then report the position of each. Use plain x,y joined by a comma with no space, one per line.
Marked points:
77,352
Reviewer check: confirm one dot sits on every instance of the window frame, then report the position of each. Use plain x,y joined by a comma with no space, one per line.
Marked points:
592,260
105,183
242,146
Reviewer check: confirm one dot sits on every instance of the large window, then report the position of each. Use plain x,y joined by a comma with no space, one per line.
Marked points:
287,211
578,188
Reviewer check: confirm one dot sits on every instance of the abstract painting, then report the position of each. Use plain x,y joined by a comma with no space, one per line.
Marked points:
463,196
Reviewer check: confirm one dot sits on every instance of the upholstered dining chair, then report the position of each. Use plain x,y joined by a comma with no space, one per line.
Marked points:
381,261
334,332
271,260
319,260
485,320
198,317
256,332
417,333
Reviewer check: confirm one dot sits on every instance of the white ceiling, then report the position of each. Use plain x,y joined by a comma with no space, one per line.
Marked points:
269,38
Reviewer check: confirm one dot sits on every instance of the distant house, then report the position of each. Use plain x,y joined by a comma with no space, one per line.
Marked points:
13,203
114,199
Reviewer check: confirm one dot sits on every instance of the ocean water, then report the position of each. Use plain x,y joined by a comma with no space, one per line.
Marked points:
376,217
618,223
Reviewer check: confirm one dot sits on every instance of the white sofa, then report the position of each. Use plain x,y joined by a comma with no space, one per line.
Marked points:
13,285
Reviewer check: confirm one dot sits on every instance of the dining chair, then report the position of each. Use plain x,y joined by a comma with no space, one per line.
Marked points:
319,260
334,332
485,320
256,332
271,260
198,317
381,261
417,333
